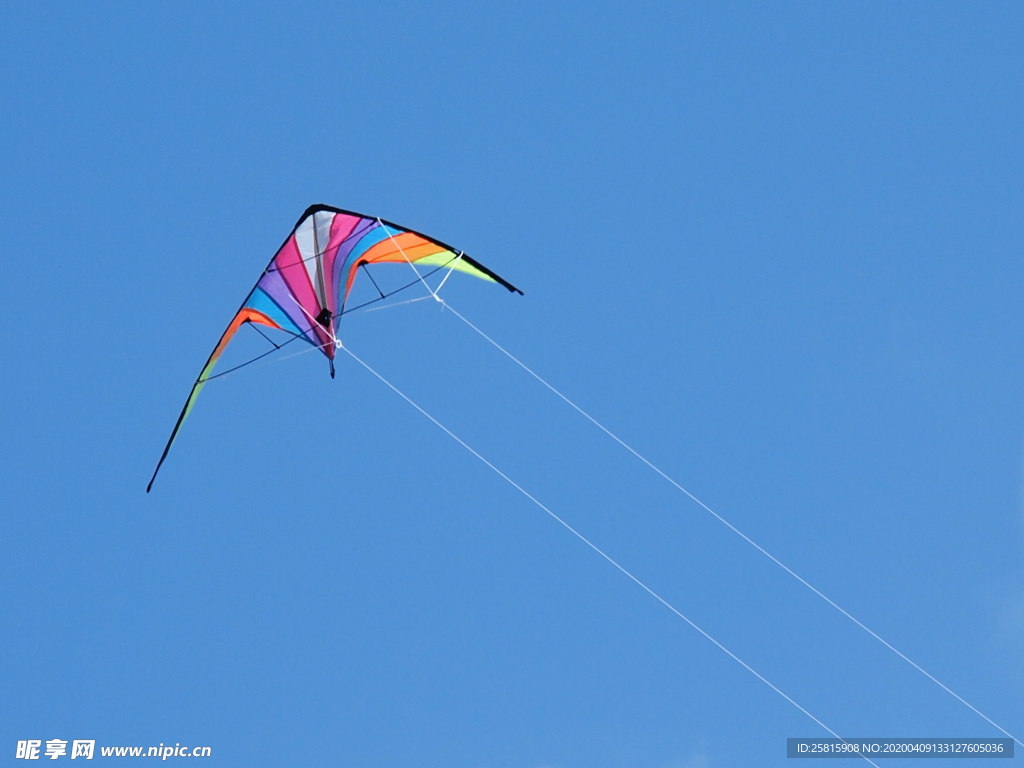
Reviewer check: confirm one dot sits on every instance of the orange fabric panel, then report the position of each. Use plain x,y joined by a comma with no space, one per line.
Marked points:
255,316
388,249
391,250
245,315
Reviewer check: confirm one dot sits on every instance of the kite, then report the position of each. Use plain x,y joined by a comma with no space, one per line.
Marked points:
304,288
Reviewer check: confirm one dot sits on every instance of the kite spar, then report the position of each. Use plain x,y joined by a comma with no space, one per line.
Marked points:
304,288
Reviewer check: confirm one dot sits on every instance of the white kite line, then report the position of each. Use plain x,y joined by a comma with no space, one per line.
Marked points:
622,569
730,526
434,293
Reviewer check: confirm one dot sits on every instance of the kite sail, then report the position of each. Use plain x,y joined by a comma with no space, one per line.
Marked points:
304,288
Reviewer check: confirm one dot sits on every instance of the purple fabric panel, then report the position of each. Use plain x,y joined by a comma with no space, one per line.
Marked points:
341,257
342,226
274,285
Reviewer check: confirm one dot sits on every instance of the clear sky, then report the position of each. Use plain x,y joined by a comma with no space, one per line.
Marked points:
775,247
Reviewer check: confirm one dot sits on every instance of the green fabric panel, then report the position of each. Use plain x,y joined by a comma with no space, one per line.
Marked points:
444,258
198,388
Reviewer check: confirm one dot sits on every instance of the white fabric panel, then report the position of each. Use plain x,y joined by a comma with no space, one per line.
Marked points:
307,251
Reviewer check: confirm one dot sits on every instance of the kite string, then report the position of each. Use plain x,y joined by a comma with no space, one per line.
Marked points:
409,261
622,569
730,526
397,304
451,269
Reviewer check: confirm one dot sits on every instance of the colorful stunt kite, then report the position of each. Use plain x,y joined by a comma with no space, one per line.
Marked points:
305,286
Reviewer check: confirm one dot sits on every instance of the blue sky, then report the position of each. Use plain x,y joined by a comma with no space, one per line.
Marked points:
775,247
